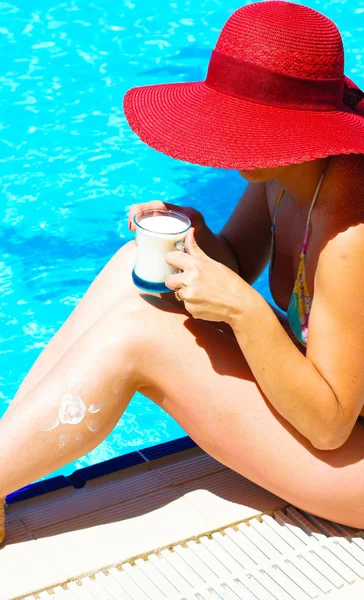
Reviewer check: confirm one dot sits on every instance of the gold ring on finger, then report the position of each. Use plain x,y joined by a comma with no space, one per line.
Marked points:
177,296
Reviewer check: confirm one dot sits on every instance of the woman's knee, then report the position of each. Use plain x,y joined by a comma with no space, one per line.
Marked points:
135,322
125,253
124,324
139,311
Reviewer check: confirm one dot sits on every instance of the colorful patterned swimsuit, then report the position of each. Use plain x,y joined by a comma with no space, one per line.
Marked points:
299,307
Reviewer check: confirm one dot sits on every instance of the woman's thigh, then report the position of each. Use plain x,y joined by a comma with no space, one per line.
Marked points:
199,376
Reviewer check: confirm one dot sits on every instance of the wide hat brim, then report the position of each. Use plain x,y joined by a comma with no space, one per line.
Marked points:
194,123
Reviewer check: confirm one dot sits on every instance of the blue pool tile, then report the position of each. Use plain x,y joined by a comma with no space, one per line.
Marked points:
38,488
79,478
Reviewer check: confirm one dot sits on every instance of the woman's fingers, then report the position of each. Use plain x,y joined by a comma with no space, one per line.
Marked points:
178,259
182,261
175,282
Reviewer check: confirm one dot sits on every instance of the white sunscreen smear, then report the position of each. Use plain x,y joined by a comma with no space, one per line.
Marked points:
157,236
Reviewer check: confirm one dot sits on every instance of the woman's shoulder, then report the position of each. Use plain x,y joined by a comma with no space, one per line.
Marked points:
342,225
342,198
347,176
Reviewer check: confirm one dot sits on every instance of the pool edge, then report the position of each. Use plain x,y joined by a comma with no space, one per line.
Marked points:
80,477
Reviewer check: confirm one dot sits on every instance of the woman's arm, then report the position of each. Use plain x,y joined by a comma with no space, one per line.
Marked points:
243,244
217,248
287,377
321,393
248,232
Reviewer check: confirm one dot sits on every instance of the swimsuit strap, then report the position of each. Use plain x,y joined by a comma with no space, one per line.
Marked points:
272,241
281,193
307,230
317,191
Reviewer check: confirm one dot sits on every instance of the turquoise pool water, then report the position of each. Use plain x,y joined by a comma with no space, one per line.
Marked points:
70,166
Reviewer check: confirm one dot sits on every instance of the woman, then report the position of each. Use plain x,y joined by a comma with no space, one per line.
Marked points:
276,398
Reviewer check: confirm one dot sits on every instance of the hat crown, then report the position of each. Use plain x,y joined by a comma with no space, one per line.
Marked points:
285,37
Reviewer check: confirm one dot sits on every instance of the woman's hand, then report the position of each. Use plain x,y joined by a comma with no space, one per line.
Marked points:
209,289
196,218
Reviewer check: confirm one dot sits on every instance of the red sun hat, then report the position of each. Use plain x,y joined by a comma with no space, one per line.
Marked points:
275,94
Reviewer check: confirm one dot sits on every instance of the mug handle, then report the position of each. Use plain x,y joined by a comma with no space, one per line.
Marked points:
180,246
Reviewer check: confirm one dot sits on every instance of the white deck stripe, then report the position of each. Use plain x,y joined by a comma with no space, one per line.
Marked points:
289,556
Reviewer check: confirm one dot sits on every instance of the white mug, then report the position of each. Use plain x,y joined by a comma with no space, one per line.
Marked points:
158,231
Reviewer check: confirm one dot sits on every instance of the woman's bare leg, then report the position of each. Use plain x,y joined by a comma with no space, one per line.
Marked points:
111,285
74,407
199,376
